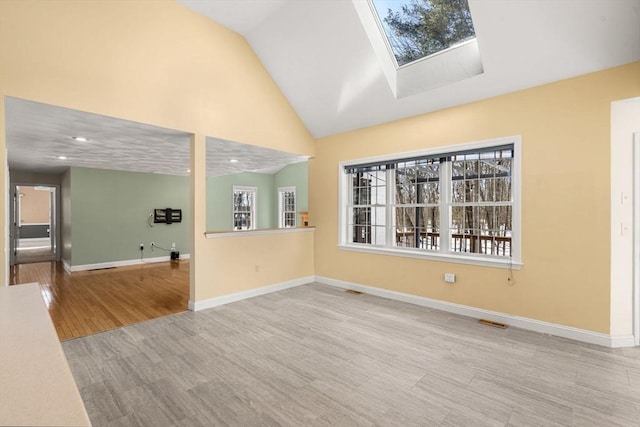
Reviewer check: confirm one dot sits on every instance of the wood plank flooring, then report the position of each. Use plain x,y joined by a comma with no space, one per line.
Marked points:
87,302
317,356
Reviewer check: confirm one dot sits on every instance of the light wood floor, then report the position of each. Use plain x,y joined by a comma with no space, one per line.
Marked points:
317,356
83,303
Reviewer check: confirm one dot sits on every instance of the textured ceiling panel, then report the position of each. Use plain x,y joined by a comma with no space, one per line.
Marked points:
37,134
249,158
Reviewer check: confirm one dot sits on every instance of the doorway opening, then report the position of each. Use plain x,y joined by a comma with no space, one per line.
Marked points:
34,224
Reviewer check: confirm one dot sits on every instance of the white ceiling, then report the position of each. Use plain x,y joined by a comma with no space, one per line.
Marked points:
38,133
320,56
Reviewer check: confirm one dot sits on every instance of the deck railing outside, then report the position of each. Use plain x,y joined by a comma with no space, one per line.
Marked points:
460,242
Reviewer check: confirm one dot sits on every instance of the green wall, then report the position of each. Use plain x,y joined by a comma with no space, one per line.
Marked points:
220,199
220,195
110,209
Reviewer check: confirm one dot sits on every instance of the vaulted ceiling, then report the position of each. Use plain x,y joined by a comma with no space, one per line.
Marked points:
320,56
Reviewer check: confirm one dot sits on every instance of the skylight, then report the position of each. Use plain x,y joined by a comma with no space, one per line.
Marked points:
419,28
421,44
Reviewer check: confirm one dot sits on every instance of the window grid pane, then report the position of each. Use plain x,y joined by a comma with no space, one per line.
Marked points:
416,209
481,203
368,221
287,208
243,209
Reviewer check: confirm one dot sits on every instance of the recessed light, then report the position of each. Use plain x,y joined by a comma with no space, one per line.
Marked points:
62,157
80,138
188,170
233,160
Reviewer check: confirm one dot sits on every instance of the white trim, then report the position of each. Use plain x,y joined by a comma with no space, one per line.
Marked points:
464,310
9,257
124,263
539,326
66,265
35,239
281,190
621,341
266,231
636,238
239,296
623,260
482,261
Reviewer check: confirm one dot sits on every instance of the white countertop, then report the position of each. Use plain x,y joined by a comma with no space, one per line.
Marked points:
36,384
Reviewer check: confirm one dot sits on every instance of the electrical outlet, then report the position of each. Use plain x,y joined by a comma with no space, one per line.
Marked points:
142,246
449,277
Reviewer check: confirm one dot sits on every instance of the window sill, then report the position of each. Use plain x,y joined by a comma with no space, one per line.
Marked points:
458,259
245,233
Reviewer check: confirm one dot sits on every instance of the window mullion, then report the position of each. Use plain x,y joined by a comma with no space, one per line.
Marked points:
445,206
390,217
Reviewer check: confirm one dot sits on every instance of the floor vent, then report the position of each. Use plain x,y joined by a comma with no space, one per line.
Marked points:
494,324
352,291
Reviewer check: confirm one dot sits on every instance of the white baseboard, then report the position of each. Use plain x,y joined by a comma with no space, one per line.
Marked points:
124,263
479,313
238,296
66,266
618,341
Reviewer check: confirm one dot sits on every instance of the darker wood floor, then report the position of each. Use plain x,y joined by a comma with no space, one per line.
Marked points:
86,302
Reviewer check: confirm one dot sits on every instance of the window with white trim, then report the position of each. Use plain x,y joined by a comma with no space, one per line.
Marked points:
244,207
459,202
286,207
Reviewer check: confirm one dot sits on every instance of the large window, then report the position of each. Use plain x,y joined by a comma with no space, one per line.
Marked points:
244,207
460,203
286,207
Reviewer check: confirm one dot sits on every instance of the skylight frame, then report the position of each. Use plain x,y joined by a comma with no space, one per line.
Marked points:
383,32
449,66
381,27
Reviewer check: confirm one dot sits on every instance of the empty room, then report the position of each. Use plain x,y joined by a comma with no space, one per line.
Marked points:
380,212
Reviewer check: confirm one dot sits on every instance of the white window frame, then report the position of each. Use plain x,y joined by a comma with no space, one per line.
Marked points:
281,211
254,217
512,262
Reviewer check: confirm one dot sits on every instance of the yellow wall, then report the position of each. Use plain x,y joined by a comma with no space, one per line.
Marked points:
34,205
153,62
258,261
565,129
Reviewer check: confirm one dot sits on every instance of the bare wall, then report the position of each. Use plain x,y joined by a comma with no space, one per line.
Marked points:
565,130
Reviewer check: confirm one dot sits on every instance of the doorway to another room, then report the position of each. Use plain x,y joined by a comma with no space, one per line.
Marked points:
34,224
